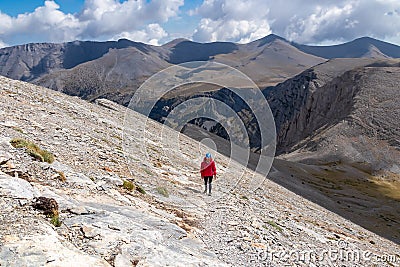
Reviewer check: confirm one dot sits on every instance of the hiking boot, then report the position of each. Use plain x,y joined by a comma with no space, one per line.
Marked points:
205,191
209,193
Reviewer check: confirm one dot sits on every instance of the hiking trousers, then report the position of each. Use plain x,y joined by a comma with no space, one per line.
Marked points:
207,181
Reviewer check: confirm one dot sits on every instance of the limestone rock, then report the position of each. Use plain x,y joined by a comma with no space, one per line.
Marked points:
17,188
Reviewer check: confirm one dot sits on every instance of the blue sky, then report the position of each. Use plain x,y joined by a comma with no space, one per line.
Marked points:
16,7
159,21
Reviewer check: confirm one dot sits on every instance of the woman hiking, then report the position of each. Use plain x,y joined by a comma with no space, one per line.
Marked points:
208,170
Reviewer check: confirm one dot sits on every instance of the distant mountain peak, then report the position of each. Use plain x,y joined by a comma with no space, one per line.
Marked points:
360,47
175,42
268,39
365,38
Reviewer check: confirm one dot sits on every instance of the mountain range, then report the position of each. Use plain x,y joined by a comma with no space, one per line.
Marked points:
122,65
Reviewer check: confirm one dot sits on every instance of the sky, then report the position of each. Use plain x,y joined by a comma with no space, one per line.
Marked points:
318,22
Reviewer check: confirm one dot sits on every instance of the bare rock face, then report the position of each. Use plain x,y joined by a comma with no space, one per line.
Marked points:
26,62
326,107
316,98
30,61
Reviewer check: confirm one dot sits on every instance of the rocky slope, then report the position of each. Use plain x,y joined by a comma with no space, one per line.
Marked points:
354,97
315,100
56,65
344,132
339,122
114,76
171,223
118,73
30,61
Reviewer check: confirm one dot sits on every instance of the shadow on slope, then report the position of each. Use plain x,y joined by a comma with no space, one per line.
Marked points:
79,52
184,51
346,189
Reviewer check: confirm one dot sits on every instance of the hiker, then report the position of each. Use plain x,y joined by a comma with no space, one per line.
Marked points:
208,170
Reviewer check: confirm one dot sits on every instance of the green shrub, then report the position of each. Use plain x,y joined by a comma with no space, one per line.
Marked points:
162,191
47,156
128,185
17,129
147,171
140,189
273,224
19,143
55,220
33,150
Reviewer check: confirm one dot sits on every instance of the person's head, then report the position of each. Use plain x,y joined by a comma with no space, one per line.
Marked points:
208,157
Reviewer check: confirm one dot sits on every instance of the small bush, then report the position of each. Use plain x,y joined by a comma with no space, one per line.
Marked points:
128,185
33,150
273,224
17,129
162,191
55,220
147,171
19,143
47,156
140,189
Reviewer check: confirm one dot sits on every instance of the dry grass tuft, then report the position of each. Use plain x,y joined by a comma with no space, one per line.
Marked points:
33,150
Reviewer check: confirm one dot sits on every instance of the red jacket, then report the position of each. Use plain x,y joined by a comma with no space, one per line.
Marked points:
208,169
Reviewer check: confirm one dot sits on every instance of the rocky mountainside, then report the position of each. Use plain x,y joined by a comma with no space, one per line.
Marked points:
267,61
117,74
338,125
357,96
114,76
318,99
344,118
31,62
118,206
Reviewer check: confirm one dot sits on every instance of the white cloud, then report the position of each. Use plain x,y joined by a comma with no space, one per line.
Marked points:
304,21
323,19
108,17
150,35
98,20
241,31
345,20
312,21
240,21
46,21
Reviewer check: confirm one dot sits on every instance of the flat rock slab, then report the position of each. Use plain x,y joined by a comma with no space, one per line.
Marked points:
45,248
144,237
16,188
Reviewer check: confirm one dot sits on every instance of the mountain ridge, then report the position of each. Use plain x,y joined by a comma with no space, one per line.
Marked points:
68,55
352,49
